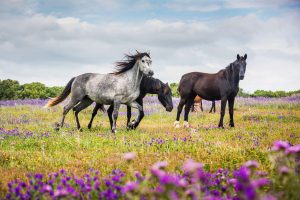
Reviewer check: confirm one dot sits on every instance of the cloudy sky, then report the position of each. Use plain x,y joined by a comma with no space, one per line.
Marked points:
52,41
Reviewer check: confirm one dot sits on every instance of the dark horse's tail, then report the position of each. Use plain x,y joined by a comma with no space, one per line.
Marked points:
62,96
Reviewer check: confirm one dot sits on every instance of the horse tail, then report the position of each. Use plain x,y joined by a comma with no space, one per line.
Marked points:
62,96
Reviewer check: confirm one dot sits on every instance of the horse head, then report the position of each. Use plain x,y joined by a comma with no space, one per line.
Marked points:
239,66
145,63
165,96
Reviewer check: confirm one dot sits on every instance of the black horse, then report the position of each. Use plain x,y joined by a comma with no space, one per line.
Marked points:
148,85
223,86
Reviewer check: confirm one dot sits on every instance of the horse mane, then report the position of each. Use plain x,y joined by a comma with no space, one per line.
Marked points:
128,62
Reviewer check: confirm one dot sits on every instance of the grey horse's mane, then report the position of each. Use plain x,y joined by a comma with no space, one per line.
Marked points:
128,62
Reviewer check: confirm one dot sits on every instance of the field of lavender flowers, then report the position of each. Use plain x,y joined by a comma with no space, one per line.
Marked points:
258,159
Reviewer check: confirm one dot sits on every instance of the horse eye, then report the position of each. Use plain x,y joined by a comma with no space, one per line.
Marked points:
143,61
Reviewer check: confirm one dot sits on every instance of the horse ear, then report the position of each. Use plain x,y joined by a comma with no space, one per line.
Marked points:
245,56
167,84
137,52
238,57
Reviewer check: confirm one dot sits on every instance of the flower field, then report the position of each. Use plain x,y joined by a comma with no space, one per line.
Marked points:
258,159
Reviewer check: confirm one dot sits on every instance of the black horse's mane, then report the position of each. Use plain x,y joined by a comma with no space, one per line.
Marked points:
128,62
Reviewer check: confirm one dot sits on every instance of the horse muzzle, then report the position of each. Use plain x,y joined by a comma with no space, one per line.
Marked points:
150,73
242,77
169,108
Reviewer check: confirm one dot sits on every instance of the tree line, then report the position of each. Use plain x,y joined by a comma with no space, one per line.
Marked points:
12,89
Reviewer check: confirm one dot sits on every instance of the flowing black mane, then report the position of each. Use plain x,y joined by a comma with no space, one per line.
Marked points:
128,62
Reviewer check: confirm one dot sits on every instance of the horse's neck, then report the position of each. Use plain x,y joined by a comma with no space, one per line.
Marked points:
148,85
232,78
135,77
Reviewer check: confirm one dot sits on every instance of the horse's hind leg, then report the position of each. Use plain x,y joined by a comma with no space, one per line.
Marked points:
109,113
67,108
201,106
82,105
95,110
212,107
179,110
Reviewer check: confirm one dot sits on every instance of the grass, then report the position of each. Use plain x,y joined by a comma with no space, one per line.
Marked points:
37,147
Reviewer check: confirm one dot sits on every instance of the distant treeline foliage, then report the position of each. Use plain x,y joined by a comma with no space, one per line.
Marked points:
242,93
11,89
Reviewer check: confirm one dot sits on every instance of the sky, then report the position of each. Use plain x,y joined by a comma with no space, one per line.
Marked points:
53,41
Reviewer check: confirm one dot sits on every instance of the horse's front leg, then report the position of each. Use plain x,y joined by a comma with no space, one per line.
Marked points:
115,115
231,106
222,113
135,123
141,115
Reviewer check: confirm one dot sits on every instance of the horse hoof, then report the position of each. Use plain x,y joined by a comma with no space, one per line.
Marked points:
176,124
57,126
221,126
231,125
114,131
89,126
186,124
131,125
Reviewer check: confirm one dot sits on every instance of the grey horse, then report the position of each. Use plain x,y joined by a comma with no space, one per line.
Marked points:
119,87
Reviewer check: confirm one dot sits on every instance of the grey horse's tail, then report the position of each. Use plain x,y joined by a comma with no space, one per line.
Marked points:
62,96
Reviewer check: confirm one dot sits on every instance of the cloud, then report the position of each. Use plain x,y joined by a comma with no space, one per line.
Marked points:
195,6
52,49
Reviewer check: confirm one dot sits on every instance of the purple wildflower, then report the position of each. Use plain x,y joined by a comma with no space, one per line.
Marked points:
280,145
293,149
284,170
160,165
251,164
191,166
129,156
130,186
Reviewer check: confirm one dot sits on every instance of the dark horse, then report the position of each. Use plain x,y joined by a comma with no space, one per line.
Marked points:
223,86
148,85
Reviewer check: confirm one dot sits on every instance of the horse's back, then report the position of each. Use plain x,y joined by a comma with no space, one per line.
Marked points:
205,85
188,81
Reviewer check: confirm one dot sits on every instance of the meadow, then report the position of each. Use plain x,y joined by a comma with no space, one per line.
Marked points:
29,143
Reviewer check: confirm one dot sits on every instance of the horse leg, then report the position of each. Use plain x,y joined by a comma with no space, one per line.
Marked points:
231,106
136,105
222,113
193,107
128,115
82,105
201,107
179,110
214,105
134,124
187,109
109,113
95,110
67,108
115,113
